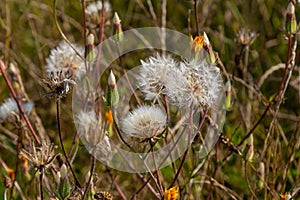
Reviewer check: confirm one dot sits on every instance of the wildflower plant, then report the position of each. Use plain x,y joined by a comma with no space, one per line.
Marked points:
148,102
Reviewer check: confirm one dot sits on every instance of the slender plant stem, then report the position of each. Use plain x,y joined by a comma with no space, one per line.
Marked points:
61,141
159,184
73,145
189,144
62,33
23,114
118,188
41,184
126,76
196,16
88,184
248,182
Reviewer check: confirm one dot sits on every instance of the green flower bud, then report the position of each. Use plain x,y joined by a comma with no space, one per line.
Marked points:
117,27
112,92
228,95
261,175
90,49
291,23
208,48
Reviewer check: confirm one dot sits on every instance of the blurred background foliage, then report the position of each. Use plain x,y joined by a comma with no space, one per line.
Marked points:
28,32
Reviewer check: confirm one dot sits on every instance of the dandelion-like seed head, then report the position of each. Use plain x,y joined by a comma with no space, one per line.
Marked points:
193,83
10,109
144,122
153,75
40,157
92,131
93,12
64,59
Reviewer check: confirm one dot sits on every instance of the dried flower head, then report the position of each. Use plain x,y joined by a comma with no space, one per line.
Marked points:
92,132
153,74
144,122
93,12
193,83
58,84
64,59
40,157
103,196
9,109
171,194
245,37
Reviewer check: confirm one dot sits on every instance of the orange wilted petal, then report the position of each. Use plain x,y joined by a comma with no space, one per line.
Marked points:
197,43
171,194
109,117
11,173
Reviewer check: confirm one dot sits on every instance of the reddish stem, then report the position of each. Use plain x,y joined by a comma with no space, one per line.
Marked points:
23,114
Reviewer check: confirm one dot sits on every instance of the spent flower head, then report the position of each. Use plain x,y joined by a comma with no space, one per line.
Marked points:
153,75
65,59
144,122
194,83
93,133
40,157
58,84
245,37
9,109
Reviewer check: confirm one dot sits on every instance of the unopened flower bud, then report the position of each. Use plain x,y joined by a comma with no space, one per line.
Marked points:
228,95
63,171
112,92
117,27
250,146
208,48
57,177
87,177
291,23
90,49
261,175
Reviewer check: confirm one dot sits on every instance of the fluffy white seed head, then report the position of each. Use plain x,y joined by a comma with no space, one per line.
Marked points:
144,122
193,83
63,58
9,108
93,134
153,75
95,7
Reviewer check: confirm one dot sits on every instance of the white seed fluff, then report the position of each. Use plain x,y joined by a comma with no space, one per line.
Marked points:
64,58
193,83
144,122
95,7
92,132
9,107
153,75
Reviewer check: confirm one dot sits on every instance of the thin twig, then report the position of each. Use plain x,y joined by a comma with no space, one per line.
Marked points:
247,180
41,184
196,16
23,114
61,141
88,184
